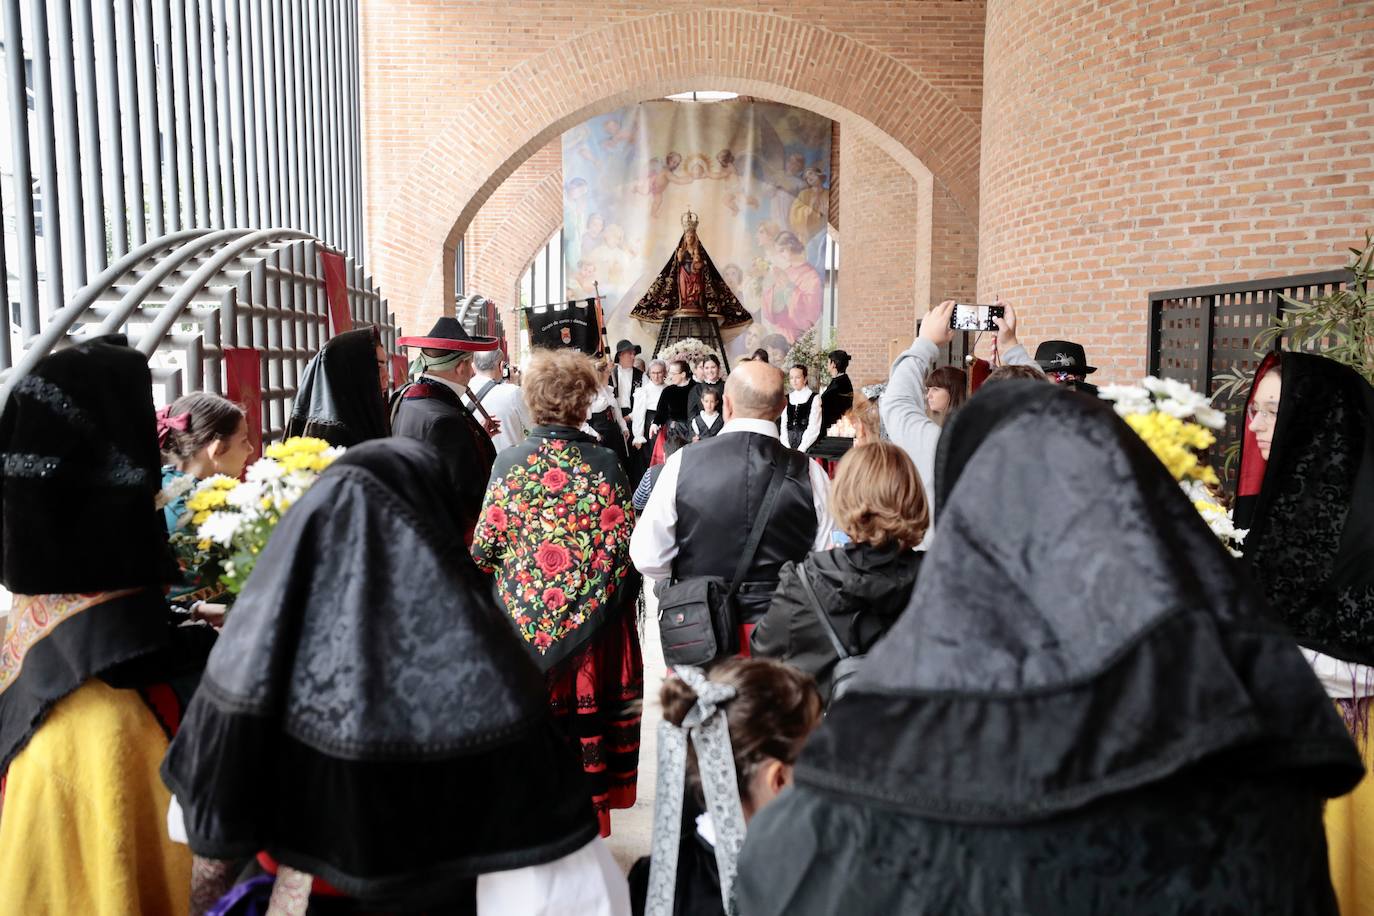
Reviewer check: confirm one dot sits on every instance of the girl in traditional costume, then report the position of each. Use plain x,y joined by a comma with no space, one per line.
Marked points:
93,671
1306,494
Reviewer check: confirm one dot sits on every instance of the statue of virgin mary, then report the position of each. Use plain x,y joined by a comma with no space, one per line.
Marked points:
689,285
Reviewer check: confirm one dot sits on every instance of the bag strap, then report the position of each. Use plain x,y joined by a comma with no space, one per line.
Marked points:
780,461
826,623
491,383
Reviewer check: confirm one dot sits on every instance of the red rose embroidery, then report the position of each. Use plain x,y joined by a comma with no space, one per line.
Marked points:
604,489
496,517
611,516
552,558
554,479
601,562
542,640
522,620
554,598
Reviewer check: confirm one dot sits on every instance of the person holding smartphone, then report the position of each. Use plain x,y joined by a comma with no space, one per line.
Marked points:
903,408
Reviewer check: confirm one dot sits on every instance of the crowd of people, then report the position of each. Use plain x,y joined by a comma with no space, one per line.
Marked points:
990,661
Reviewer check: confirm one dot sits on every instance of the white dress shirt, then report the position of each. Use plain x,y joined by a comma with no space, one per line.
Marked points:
653,546
604,398
625,386
505,402
813,422
646,399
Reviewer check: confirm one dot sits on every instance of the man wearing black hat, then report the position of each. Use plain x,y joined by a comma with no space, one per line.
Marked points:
431,409
1066,364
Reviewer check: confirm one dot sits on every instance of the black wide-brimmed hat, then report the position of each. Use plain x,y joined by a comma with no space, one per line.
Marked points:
624,345
1063,356
448,333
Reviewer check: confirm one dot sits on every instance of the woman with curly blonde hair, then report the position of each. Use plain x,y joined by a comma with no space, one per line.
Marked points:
877,501
554,530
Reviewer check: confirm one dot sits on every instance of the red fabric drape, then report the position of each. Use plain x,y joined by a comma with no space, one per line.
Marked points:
243,386
336,291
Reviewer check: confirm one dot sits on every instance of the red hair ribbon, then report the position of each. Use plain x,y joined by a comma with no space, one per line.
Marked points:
166,423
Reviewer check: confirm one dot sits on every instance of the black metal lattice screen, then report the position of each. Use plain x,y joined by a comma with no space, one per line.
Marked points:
1199,333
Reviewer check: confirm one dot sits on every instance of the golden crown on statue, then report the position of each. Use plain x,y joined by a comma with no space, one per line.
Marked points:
690,221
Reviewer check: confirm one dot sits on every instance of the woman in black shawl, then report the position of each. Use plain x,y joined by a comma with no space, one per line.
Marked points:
367,717
1084,709
93,667
342,394
1306,494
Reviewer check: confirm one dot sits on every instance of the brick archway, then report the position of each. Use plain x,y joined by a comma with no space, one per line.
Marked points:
765,55
506,253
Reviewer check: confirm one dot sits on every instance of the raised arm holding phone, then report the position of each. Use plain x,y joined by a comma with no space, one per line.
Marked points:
903,405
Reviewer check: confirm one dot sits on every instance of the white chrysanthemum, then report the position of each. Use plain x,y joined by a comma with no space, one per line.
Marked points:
1209,416
220,527
247,497
263,470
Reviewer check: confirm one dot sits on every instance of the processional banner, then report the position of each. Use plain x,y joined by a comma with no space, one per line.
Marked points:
757,175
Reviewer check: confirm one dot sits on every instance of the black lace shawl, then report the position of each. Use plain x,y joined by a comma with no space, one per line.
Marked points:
339,399
367,715
1311,540
78,442
1076,631
78,447
661,300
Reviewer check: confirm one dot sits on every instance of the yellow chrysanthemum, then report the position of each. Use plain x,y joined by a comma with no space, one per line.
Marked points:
1173,441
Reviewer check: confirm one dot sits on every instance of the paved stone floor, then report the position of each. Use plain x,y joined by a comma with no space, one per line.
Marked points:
632,829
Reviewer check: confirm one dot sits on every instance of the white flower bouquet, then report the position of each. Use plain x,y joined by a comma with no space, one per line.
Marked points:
234,519
1178,423
691,349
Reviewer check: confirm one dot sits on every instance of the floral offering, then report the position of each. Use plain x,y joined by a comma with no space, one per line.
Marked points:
232,519
1177,423
691,349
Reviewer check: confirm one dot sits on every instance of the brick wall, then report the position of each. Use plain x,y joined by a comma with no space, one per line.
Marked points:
1136,146
457,95
880,251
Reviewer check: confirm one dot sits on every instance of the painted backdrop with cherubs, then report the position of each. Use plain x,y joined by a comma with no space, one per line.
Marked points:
757,175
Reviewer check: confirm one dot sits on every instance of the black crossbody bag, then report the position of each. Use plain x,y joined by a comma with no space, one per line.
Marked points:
848,663
697,617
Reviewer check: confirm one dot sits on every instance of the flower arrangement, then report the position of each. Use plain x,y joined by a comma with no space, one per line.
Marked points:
1178,424
233,520
691,349
812,350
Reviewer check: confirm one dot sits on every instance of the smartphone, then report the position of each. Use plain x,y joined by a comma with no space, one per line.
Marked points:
975,317
838,538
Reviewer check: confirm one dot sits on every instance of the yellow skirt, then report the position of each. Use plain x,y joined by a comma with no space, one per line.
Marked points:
84,825
1350,841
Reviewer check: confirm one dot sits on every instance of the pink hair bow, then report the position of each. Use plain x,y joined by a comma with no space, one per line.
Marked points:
166,423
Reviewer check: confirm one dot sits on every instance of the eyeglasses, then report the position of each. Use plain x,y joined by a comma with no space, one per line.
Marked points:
1268,414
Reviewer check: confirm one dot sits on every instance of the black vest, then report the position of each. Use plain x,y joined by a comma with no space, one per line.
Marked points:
720,487
798,418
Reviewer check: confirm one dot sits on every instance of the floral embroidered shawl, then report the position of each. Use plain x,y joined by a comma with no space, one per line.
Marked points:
555,530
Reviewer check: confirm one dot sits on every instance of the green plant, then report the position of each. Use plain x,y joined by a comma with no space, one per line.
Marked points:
812,350
1341,323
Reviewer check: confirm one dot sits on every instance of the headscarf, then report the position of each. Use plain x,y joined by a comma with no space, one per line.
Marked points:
367,716
1310,507
1076,632
338,399
83,545
705,725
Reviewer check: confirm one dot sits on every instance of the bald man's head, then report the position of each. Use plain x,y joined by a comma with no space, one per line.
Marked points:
754,390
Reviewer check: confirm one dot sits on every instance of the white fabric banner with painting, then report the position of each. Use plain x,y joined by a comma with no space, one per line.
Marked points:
757,175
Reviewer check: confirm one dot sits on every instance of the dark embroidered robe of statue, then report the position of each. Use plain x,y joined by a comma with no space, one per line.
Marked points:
664,297
432,412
